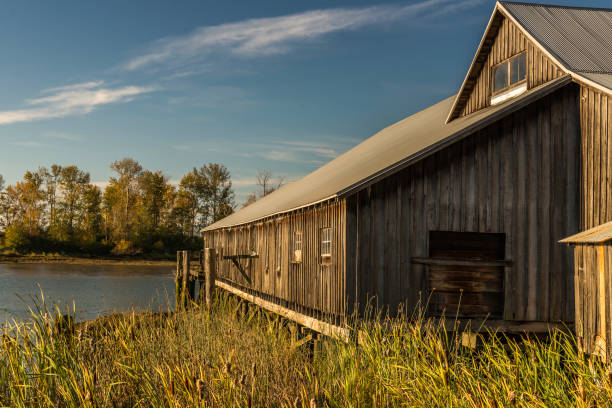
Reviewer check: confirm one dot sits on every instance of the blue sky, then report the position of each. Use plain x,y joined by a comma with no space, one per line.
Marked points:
279,85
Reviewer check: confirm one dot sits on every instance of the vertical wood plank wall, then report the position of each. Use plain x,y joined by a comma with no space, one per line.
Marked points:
589,294
510,41
596,131
520,176
308,287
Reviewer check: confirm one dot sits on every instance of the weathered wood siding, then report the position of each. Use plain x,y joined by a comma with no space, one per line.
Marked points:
593,287
520,176
311,286
509,41
596,131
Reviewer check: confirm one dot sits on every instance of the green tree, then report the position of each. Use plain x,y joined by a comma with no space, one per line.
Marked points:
17,236
92,215
153,187
73,185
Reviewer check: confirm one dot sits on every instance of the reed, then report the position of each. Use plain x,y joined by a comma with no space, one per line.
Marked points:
233,355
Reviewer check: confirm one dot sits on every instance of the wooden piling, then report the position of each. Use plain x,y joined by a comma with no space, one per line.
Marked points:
178,280
210,274
185,291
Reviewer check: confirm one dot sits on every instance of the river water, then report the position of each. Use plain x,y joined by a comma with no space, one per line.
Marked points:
94,290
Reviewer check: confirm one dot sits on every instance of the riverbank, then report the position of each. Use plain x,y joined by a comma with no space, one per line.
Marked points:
232,355
83,260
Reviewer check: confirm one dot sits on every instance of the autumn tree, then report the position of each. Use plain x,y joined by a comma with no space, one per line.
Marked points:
26,205
220,202
206,195
124,188
2,203
50,178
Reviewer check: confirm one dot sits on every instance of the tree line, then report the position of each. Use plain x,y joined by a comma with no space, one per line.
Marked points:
139,211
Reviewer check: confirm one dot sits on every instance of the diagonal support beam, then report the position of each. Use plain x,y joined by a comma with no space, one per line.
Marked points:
246,277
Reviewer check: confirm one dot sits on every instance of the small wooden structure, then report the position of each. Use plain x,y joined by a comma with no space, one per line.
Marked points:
593,289
459,206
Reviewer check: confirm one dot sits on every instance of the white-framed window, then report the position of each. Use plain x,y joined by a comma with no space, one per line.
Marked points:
297,246
326,243
509,73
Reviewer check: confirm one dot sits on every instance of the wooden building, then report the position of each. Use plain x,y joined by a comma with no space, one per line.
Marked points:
460,206
593,289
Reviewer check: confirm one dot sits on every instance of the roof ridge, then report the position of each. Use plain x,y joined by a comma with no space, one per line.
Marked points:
525,3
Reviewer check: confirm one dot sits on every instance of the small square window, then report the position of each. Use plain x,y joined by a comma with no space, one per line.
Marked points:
326,242
509,72
297,246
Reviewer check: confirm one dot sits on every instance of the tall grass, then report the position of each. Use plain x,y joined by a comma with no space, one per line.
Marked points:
239,356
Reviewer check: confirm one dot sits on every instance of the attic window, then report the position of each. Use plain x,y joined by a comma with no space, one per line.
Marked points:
508,77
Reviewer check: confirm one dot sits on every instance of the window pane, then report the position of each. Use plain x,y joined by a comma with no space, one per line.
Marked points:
326,241
517,68
279,246
297,241
500,76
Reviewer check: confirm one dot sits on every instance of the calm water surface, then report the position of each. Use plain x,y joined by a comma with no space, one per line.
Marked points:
95,289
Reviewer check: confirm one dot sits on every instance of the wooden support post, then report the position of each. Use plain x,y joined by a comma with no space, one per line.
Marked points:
201,281
178,280
210,274
600,341
186,277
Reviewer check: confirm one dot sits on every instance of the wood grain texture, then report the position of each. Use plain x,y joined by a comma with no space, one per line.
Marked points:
517,177
506,42
309,286
595,129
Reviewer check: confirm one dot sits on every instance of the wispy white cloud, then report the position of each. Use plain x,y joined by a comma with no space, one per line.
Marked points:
73,87
76,99
30,144
52,134
280,155
244,182
320,149
275,35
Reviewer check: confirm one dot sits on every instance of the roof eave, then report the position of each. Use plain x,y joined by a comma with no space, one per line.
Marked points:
517,104
474,60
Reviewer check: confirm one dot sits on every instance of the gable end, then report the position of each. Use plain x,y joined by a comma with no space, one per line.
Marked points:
502,40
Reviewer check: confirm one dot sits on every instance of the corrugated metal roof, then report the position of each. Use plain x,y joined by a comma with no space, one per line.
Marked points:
604,80
599,234
387,151
579,38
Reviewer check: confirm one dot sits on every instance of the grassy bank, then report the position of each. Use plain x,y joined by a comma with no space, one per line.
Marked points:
230,358
13,257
